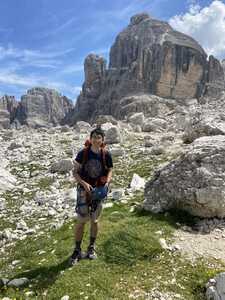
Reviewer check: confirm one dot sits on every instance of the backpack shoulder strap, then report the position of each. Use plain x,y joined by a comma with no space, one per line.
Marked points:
86,149
103,154
85,155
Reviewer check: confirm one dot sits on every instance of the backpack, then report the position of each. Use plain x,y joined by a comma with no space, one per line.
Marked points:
87,145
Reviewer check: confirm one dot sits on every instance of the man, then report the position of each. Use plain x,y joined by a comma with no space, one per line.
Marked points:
92,168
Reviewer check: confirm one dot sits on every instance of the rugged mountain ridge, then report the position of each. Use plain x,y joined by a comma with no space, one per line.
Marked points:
39,107
147,57
8,106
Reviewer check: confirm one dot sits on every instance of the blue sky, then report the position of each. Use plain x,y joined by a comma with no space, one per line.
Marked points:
44,42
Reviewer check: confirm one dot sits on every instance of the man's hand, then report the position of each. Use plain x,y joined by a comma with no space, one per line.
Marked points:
87,187
106,185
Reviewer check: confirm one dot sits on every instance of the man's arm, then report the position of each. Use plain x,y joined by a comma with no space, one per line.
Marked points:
76,170
109,176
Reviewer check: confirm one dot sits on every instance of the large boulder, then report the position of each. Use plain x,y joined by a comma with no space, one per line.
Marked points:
195,182
7,180
62,166
112,133
205,127
42,107
137,118
147,57
215,288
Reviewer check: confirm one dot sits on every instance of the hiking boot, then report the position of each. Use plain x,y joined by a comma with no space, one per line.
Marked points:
91,253
75,257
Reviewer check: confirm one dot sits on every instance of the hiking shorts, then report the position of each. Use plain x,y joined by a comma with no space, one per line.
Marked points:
83,210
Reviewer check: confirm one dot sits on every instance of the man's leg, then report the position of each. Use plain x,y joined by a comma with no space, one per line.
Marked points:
93,232
94,227
79,232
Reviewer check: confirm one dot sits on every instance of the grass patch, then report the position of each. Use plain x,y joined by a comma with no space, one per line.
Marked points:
30,167
45,183
130,258
127,247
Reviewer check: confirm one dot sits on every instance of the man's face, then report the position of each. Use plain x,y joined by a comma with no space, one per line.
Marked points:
96,140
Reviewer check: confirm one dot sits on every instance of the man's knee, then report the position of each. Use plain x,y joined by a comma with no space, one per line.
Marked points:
80,224
94,222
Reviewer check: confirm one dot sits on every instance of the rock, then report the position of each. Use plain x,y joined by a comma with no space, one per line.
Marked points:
137,128
163,244
41,107
65,297
195,182
147,57
156,125
157,150
205,127
16,262
149,141
18,282
65,128
62,166
7,180
3,282
6,234
29,293
117,194
82,127
107,205
8,106
137,118
51,212
169,137
151,105
2,204
216,288
21,225
112,135
117,151
137,182
101,119
14,145
94,69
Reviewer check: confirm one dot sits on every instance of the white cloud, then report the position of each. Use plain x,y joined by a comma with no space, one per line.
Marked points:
72,68
35,58
15,79
206,25
59,29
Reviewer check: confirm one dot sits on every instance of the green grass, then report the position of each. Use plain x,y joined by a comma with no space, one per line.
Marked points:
130,258
30,167
45,183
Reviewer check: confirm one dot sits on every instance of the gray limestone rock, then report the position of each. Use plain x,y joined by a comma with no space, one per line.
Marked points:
195,182
216,288
147,57
7,180
112,135
82,127
137,118
18,282
42,107
8,106
62,166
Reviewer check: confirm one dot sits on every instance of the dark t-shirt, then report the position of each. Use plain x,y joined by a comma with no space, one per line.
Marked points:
94,167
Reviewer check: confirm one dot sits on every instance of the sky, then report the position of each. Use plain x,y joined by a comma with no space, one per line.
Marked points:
44,42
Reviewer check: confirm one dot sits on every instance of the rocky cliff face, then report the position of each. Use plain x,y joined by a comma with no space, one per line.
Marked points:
42,106
8,106
147,57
